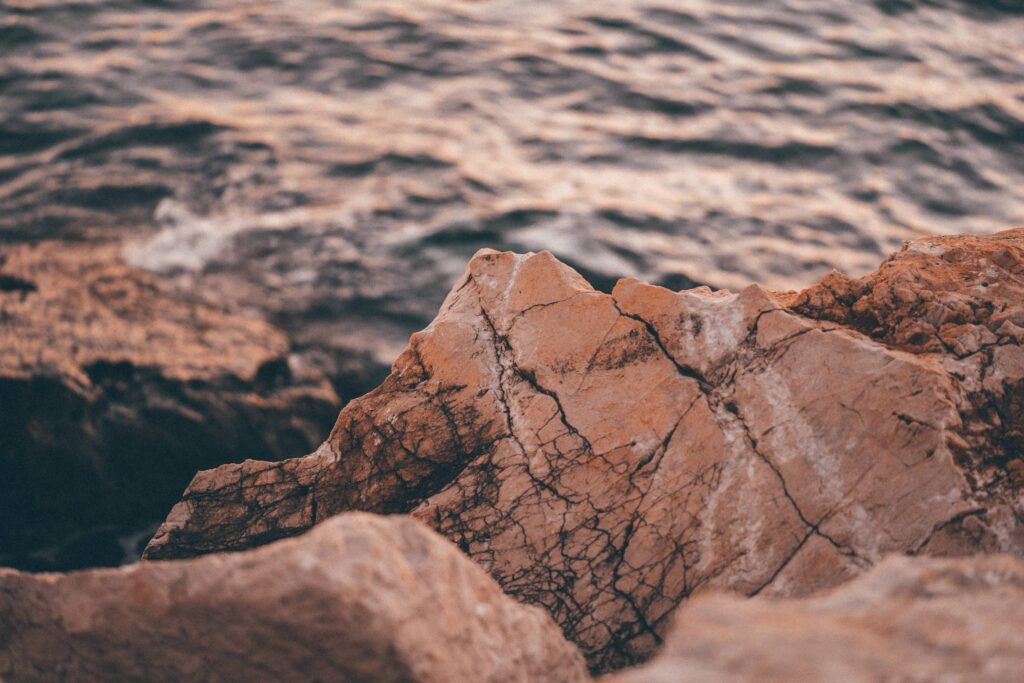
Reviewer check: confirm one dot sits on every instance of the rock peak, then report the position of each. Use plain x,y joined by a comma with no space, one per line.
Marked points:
607,456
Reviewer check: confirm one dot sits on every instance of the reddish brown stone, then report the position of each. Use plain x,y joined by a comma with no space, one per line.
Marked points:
361,598
608,456
115,390
920,619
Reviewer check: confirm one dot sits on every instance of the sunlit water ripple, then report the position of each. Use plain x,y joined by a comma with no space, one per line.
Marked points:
332,165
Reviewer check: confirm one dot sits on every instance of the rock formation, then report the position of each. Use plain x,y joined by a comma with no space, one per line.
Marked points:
114,391
905,620
608,456
362,598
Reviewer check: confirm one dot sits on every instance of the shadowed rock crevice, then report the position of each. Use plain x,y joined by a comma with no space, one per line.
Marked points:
13,283
607,456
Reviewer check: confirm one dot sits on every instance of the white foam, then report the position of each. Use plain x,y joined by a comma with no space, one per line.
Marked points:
186,242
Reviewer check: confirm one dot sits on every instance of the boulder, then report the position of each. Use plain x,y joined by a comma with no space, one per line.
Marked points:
360,598
920,619
608,456
115,390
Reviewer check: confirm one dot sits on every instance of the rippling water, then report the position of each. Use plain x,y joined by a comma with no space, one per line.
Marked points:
333,164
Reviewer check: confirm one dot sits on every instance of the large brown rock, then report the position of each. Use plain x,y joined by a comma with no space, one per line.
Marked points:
907,619
361,598
607,456
115,390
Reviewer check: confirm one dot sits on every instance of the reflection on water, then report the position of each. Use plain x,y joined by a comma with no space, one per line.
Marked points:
333,164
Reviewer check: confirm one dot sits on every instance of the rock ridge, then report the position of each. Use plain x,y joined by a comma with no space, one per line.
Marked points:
606,456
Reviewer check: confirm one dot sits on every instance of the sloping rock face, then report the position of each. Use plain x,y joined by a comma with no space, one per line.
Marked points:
908,619
607,456
114,392
362,598
961,300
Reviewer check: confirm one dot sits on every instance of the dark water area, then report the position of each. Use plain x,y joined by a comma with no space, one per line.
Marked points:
332,165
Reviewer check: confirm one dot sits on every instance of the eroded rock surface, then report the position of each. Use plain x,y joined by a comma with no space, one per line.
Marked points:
361,598
607,456
961,299
114,391
908,619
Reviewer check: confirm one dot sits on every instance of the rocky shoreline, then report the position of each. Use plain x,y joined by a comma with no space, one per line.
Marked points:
612,461
116,388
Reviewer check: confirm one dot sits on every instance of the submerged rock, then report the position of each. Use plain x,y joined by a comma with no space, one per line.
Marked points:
362,598
905,620
607,456
114,391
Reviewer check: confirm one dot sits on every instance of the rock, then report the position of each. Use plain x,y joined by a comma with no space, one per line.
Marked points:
361,598
608,456
905,620
962,299
115,391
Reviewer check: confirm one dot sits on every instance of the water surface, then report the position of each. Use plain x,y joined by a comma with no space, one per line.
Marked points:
341,160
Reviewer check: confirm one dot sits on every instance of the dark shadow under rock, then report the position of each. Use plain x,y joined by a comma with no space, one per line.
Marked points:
115,391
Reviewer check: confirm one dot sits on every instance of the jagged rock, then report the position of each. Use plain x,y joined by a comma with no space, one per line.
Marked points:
607,456
907,619
115,391
361,598
962,299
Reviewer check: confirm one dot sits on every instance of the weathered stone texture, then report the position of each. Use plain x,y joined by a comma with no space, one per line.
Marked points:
908,619
361,598
114,390
608,456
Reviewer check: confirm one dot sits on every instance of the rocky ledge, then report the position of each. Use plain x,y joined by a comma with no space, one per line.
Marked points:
116,390
608,456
